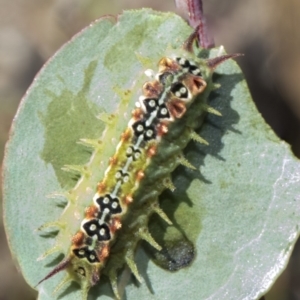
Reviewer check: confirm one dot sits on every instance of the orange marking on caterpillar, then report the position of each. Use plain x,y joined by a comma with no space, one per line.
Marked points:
162,129
103,253
152,89
167,64
113,160
140,175
91,212
116,225
128,199
137,114
101,187
126,135
195,84
77,239
177,108
151,151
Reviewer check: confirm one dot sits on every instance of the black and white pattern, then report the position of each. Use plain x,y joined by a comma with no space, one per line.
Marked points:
140,128
93,227
109,204
179,90
151,104
163,112
84,252
122,176
189,66
134,153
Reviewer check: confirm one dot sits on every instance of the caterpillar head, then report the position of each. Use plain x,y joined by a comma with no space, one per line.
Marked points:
213,63
183,77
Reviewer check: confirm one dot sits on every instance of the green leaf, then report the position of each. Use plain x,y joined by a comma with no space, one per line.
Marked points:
237,215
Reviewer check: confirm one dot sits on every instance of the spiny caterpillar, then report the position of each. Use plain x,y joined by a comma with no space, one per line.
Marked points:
171,107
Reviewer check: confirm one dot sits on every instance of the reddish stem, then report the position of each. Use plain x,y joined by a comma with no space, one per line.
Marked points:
194,10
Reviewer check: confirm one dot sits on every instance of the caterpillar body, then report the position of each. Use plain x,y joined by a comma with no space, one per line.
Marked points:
170,107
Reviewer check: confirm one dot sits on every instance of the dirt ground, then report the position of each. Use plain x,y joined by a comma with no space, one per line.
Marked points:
266,31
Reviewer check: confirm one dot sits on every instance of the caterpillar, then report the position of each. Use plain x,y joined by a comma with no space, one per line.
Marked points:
172,105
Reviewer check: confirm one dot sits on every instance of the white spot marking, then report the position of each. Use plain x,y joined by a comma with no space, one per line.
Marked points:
183,90
149,133
140,128
164,111
93,227
129,151
182,61
152,103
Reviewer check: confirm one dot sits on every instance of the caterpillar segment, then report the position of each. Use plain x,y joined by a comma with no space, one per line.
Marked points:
150,148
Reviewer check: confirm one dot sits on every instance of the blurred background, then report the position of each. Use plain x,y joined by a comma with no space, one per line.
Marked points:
265,30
